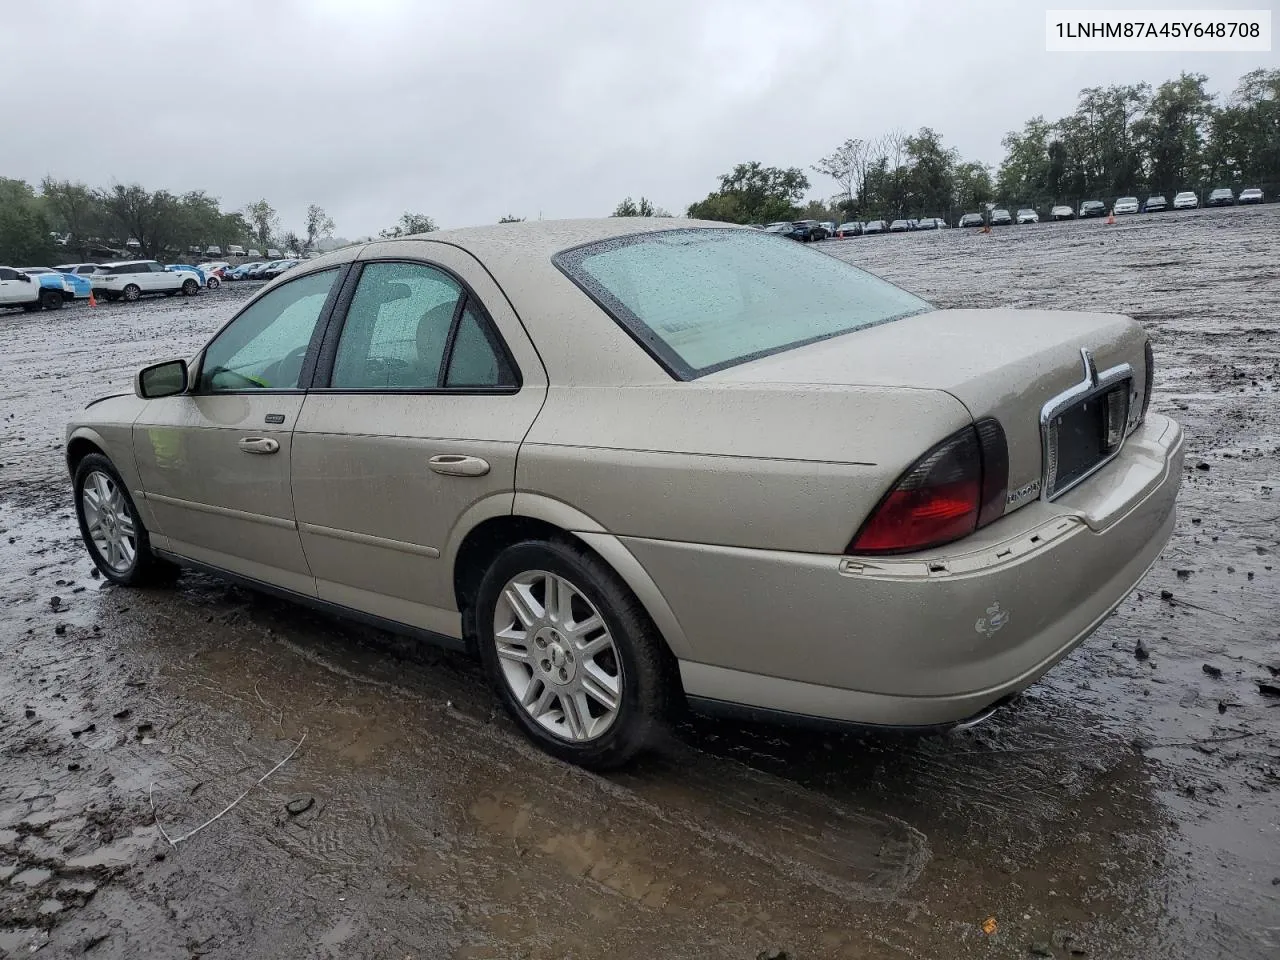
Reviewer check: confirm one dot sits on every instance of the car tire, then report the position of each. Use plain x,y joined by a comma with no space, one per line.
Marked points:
630,665
190,288
132,293
112,531
214,283
50,300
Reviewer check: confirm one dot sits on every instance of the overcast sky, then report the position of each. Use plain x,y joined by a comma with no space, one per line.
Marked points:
470,110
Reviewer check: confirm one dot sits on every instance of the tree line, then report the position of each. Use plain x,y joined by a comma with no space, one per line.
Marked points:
69,220
1120,140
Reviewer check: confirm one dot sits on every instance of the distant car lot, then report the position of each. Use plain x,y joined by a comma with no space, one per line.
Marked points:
997,216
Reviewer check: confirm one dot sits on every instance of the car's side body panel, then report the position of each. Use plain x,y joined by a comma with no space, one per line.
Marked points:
108,425
211,500
792,468
376,520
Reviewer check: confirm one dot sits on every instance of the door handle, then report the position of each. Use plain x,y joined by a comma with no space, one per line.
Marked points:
452,465
258,445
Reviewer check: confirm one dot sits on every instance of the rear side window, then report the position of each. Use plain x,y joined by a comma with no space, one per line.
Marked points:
397,328
412,326
704,299
476,360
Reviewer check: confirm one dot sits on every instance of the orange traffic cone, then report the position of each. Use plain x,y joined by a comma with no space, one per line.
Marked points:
93,302
1111,220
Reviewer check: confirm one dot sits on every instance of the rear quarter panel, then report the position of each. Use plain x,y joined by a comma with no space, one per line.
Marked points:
789,469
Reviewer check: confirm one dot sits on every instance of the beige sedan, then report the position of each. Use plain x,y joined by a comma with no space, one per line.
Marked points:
634,464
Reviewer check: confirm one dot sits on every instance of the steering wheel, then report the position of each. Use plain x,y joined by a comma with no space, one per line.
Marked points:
284,373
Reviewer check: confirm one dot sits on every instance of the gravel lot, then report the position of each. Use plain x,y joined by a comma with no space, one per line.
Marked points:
1126,807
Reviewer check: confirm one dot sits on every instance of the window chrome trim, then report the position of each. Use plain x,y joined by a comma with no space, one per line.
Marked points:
1094,384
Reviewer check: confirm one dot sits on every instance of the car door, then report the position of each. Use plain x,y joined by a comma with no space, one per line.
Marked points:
12,289
425,388
160,279
214,461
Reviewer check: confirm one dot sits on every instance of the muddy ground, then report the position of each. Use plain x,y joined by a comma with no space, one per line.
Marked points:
1125,807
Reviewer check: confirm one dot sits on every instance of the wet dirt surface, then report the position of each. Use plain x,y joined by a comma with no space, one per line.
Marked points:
1126,806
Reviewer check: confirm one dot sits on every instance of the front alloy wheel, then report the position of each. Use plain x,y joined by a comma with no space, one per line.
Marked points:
113,532
109,525
557,655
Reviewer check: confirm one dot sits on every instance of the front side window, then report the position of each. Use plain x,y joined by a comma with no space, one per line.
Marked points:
264,347
411,326
704,299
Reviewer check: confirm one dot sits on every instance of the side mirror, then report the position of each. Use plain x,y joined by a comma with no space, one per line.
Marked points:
166,379
24,278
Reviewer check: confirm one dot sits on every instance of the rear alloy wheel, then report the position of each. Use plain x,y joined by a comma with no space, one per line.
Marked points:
132,292
112,531
51,299
190,288
214,283
572,654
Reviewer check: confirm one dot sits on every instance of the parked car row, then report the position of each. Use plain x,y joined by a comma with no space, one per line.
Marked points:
233,250
262,270
48,288
1001,216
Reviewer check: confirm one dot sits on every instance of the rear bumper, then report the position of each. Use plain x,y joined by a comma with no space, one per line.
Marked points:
927,640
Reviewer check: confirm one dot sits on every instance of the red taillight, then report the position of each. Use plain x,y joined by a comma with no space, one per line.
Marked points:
947,494
1149,358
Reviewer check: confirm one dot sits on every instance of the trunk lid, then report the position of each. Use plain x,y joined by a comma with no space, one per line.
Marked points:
999,363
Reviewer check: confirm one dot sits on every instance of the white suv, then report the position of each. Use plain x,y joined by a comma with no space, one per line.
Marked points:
129,280
19,290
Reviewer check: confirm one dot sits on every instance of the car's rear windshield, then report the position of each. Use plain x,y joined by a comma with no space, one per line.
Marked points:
700,300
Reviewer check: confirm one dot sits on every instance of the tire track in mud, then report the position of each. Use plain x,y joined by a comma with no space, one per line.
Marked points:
811,838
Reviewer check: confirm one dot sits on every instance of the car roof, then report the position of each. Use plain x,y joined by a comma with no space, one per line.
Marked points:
576,340
125,263
542,239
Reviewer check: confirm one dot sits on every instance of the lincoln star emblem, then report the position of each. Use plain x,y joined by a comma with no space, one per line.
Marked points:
993,621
